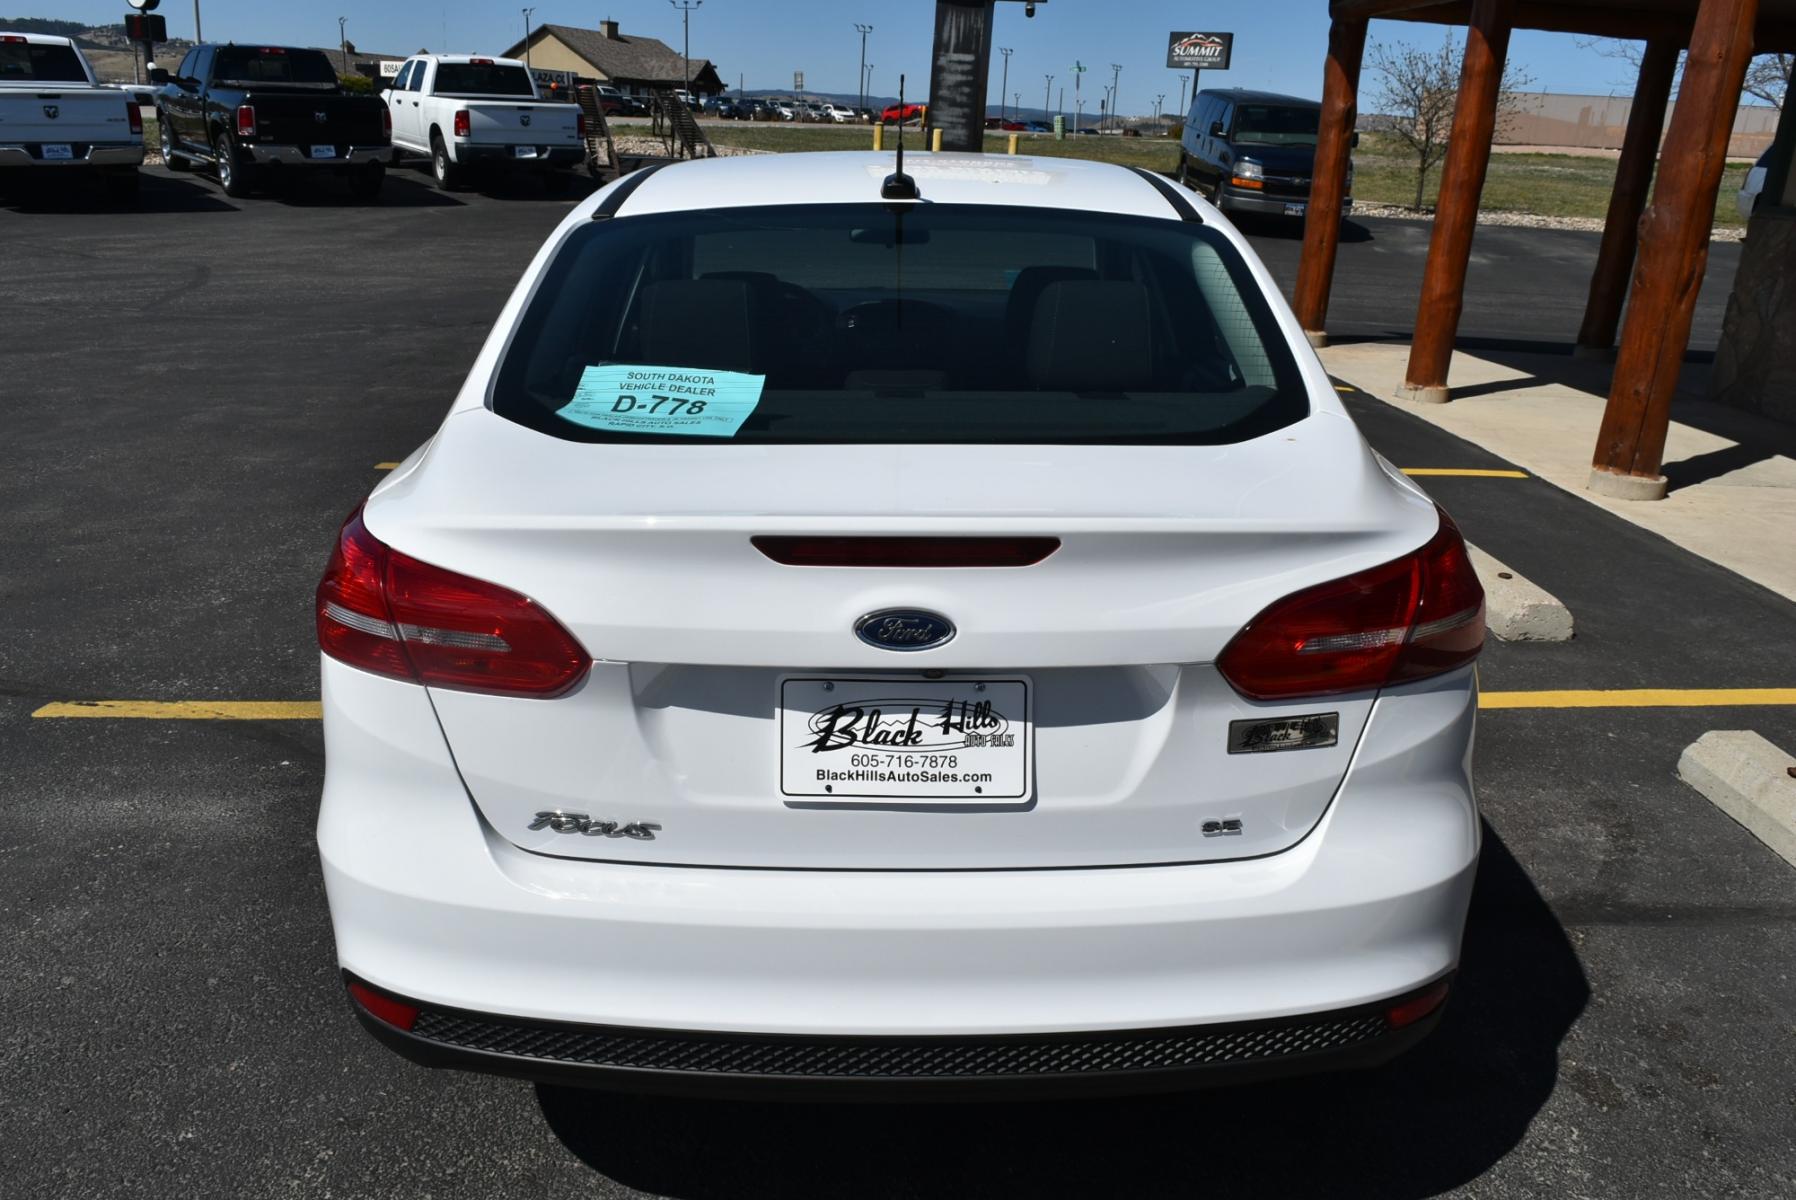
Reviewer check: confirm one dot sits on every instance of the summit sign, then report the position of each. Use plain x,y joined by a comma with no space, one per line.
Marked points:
1200,51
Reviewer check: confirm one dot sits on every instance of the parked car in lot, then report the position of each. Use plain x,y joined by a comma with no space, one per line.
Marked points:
1252,152
611,101
1747,198
247,112
838,113
900,113
1000,664
55,118
468,113
723,108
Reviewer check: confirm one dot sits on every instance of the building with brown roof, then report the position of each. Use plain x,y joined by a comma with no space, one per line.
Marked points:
633,65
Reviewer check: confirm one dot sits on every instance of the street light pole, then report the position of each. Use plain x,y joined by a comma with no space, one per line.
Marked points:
527,14
196,22
1004,83
1116,93
343,43
1047,101
863,30
686,7
1181,95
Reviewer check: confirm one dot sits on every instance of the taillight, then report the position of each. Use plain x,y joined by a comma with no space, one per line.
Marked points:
386,122
134,115
246,120
1419,616
461,123
580,125
393,615
393,1011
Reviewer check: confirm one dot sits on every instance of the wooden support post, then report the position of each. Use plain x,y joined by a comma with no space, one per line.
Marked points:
1674,250
1456,212
1633,179
1328,187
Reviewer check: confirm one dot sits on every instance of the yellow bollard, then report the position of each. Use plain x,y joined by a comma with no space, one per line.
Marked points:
935,141
879,137
1013,141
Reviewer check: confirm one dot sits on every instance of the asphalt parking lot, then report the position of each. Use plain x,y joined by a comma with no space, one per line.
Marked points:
195,395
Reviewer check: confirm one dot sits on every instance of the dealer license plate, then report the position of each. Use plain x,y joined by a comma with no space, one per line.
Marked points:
58,150
1294,210
524,151
324,152
929,741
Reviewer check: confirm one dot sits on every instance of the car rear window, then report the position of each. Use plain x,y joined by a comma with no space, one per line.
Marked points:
916,324
39,63
482,79
266,65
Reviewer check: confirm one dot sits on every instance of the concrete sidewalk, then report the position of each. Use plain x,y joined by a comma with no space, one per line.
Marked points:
1733,475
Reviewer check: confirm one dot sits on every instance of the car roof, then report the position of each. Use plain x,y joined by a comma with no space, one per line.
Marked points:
1248,94
853,177
468,58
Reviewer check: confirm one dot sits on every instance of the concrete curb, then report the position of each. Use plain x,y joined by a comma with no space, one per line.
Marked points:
1517,610
1747,778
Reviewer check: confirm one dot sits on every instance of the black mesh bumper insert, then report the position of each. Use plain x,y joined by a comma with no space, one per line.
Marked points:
899,1057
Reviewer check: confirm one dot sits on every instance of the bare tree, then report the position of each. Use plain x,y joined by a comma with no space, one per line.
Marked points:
1768,78
1417,94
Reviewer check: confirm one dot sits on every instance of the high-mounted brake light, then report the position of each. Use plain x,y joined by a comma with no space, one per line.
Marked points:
907,551
389,613
271,50
12,39
481,62
461,123
1419,616
134,115
246,120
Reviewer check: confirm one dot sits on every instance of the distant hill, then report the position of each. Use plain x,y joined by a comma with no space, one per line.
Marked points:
67,29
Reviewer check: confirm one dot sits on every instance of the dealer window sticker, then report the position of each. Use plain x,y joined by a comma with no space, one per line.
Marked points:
677,401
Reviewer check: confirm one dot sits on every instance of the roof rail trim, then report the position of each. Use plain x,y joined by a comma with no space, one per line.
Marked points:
622,192
1174,195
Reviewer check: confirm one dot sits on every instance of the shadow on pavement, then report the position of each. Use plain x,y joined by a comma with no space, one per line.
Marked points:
1437,1118
159,192
399,191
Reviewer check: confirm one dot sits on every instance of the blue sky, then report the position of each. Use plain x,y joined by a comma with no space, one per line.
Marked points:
1278,43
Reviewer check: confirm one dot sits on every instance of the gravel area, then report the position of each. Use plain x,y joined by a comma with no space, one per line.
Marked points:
1521,219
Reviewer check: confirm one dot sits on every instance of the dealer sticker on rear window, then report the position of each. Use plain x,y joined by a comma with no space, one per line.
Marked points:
677,401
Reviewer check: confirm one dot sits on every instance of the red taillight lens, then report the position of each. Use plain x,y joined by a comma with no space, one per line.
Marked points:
391,614
134,115
461,123
1421,615
381,1006
386,122
580,125
246,120
906,551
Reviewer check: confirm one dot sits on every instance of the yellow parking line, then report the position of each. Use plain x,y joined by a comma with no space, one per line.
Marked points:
1466,472
187,710
1641,698
385,466
1341,387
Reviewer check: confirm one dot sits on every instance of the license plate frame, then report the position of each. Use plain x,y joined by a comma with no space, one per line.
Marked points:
1296,210
59,152
524,151
941,739
322,151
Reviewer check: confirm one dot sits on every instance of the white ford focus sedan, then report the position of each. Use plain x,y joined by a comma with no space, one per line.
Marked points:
894,636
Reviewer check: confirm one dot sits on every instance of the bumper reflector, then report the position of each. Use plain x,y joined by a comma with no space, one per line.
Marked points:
1414,1007
396,1013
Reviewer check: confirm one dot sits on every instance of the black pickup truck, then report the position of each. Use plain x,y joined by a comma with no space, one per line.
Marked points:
246,112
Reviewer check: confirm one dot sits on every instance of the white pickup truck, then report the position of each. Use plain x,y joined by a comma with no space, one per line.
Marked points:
55,117
466,112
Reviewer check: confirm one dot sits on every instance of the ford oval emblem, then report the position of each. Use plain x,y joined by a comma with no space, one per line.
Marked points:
904,629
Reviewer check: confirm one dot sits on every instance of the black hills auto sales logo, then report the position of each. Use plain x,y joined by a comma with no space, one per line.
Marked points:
1200,50
898,723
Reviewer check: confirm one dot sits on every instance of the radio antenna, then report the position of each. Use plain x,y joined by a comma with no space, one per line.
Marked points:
898,185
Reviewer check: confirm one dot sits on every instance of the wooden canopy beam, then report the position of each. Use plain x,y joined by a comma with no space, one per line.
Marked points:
1633,178
1674,250
1456,211
1328,184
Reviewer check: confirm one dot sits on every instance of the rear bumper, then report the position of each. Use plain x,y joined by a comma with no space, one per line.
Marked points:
428,902
507,157
97,154
300,156
1036,1066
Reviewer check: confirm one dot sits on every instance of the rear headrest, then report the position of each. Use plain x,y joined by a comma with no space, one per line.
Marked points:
1091,336
698,323
1025,293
